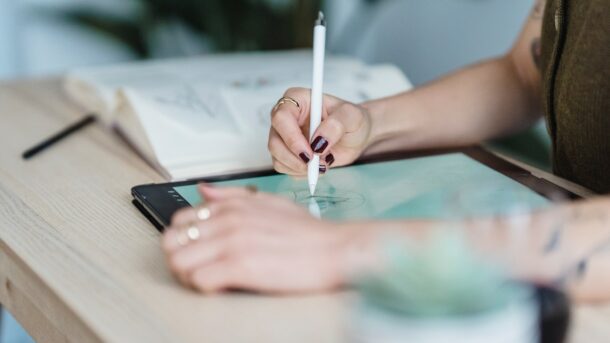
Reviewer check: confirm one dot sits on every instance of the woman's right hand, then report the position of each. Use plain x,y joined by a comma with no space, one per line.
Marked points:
340,139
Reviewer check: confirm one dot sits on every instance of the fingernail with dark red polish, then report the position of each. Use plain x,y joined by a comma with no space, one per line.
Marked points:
322,169
304,157
330,159
319,144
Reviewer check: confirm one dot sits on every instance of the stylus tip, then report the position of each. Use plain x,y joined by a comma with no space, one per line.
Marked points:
312,189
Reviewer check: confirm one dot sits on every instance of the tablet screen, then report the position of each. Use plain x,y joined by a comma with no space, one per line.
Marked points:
426,187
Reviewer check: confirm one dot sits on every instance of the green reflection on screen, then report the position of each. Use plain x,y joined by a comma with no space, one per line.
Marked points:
428,187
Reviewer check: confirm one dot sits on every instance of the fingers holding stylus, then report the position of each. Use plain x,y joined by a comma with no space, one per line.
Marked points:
290,128
287,120
281,168
285,161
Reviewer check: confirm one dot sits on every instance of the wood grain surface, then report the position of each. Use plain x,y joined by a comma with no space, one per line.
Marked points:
78,263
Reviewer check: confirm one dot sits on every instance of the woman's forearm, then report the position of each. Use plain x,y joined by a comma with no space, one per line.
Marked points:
567,245
481,102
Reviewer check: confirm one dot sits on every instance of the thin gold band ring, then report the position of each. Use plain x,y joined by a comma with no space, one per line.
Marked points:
286,99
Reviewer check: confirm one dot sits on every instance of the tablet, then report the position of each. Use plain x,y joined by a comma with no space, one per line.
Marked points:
384,187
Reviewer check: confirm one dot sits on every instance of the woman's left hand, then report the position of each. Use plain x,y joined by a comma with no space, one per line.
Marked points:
254,241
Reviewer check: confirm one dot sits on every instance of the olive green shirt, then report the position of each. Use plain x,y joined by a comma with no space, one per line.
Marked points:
575,65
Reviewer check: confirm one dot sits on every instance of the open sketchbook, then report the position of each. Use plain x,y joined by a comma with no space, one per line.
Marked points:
209,115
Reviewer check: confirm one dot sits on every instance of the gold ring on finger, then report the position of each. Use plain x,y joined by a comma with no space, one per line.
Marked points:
286,99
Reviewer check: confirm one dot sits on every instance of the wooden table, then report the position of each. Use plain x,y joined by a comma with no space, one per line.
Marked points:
79,263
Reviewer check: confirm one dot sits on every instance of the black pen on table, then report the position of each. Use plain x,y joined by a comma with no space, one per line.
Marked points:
89,119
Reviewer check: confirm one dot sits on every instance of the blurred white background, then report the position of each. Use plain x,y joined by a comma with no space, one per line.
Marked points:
425,38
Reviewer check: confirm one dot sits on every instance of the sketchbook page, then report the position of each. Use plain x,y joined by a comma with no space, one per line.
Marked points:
189,109
379,81
170,143
176,146
232,115
193,131
96,88
213,69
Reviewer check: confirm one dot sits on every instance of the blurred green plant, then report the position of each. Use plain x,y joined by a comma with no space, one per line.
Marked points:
442,277
220,25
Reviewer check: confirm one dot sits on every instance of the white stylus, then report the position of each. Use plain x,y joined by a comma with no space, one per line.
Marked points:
315,114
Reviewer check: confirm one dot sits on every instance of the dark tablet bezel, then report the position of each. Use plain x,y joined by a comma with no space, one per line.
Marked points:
159,201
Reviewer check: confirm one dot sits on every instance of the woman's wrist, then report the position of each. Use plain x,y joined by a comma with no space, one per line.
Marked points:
358,253
362,244
375,110
395,124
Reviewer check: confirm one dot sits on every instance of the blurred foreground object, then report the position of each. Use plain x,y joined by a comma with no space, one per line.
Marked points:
443,292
